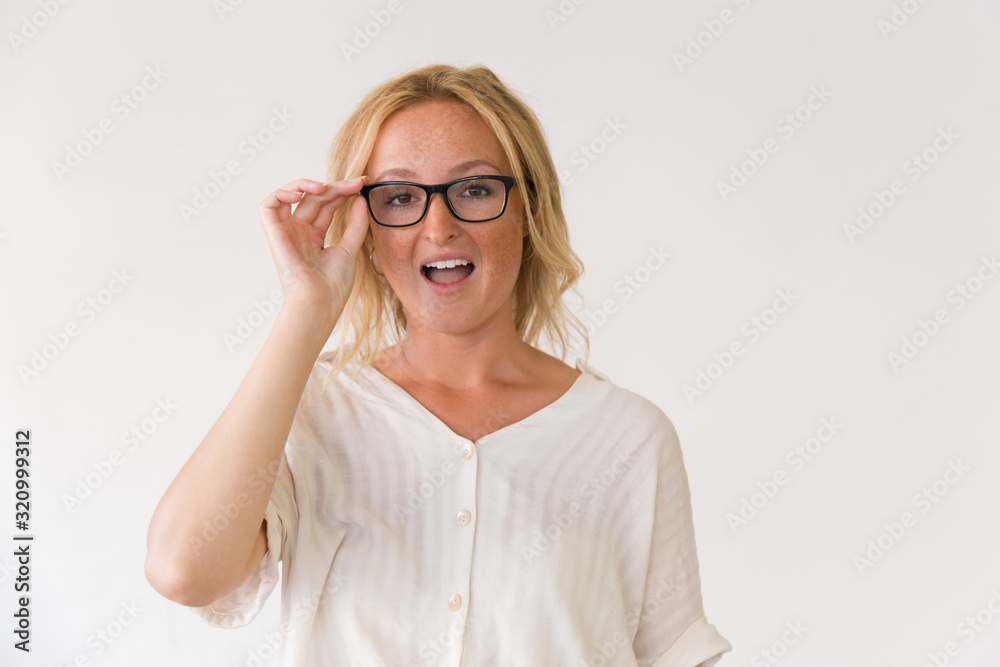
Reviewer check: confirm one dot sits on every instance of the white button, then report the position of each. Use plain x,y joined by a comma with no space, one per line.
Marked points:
463,518
455,602
467,450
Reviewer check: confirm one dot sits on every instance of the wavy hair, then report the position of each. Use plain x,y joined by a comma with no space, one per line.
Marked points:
549,266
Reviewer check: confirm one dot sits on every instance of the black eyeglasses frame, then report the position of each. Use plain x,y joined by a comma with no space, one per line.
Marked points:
508,183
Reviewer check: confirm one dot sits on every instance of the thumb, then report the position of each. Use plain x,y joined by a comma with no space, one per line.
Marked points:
357,228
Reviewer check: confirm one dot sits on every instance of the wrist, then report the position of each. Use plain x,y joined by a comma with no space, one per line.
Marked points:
318,319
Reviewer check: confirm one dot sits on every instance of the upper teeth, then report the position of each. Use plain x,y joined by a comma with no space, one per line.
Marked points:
447,264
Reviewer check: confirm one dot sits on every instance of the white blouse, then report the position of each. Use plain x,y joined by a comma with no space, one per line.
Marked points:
563,539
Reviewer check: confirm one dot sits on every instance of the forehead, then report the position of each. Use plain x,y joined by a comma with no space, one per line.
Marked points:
432,138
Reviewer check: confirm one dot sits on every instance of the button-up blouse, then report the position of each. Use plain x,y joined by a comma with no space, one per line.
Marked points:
565,538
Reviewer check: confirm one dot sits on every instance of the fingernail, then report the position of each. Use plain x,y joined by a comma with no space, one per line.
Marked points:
359,178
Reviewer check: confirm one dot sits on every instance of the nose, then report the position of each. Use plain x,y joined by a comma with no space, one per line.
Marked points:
439,224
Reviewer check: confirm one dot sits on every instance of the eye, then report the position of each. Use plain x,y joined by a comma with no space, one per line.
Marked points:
477,189
398,197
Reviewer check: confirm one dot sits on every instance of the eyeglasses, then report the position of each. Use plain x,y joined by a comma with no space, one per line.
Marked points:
470,199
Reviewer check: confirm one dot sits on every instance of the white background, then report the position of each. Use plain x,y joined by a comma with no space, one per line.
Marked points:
687,125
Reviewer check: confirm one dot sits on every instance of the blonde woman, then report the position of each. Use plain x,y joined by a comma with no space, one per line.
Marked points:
438,489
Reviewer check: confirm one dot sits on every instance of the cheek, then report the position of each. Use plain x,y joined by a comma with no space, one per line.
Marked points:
392,250
503,254
393,256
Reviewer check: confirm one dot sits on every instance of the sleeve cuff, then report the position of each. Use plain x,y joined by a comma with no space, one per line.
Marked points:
701,645
242,605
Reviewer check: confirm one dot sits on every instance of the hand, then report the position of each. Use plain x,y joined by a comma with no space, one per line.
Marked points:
309,273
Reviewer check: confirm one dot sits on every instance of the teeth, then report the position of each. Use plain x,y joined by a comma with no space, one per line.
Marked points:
447,264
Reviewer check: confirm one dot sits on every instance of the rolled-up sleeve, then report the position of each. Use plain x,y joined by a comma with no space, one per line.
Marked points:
240,606
673,630
700,645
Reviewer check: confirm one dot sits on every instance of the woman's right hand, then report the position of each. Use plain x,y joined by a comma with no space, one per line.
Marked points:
309,273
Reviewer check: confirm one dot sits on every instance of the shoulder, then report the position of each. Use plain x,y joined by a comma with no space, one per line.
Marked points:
632,415
326,373
645,416
329,390
623,402
351,391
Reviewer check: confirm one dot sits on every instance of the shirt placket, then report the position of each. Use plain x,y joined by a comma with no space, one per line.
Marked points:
462,518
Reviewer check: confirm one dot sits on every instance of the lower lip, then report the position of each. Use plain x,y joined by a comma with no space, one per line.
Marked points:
450,288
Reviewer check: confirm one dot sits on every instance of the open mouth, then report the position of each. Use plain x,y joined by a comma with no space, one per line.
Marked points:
449,272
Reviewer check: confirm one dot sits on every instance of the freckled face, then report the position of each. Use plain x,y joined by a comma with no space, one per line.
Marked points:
431,143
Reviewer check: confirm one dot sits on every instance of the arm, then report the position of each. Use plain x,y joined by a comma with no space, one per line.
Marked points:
189,559
181,563
673,630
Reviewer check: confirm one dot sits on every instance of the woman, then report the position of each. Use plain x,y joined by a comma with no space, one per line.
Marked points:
458,496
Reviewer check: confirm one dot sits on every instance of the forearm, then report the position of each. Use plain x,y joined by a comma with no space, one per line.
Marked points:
229,478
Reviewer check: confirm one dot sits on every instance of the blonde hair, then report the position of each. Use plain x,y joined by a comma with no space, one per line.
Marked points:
549,266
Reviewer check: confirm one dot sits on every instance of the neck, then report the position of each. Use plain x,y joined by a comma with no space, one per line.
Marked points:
490,354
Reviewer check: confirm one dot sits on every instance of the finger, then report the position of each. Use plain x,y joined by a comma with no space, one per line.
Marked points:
355,232
291,192
305,185
277,205
311,204
357,228
325,214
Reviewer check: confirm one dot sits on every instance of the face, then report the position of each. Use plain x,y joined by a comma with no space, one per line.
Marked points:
438,142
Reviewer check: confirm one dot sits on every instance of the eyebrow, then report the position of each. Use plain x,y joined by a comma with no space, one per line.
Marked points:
465,166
